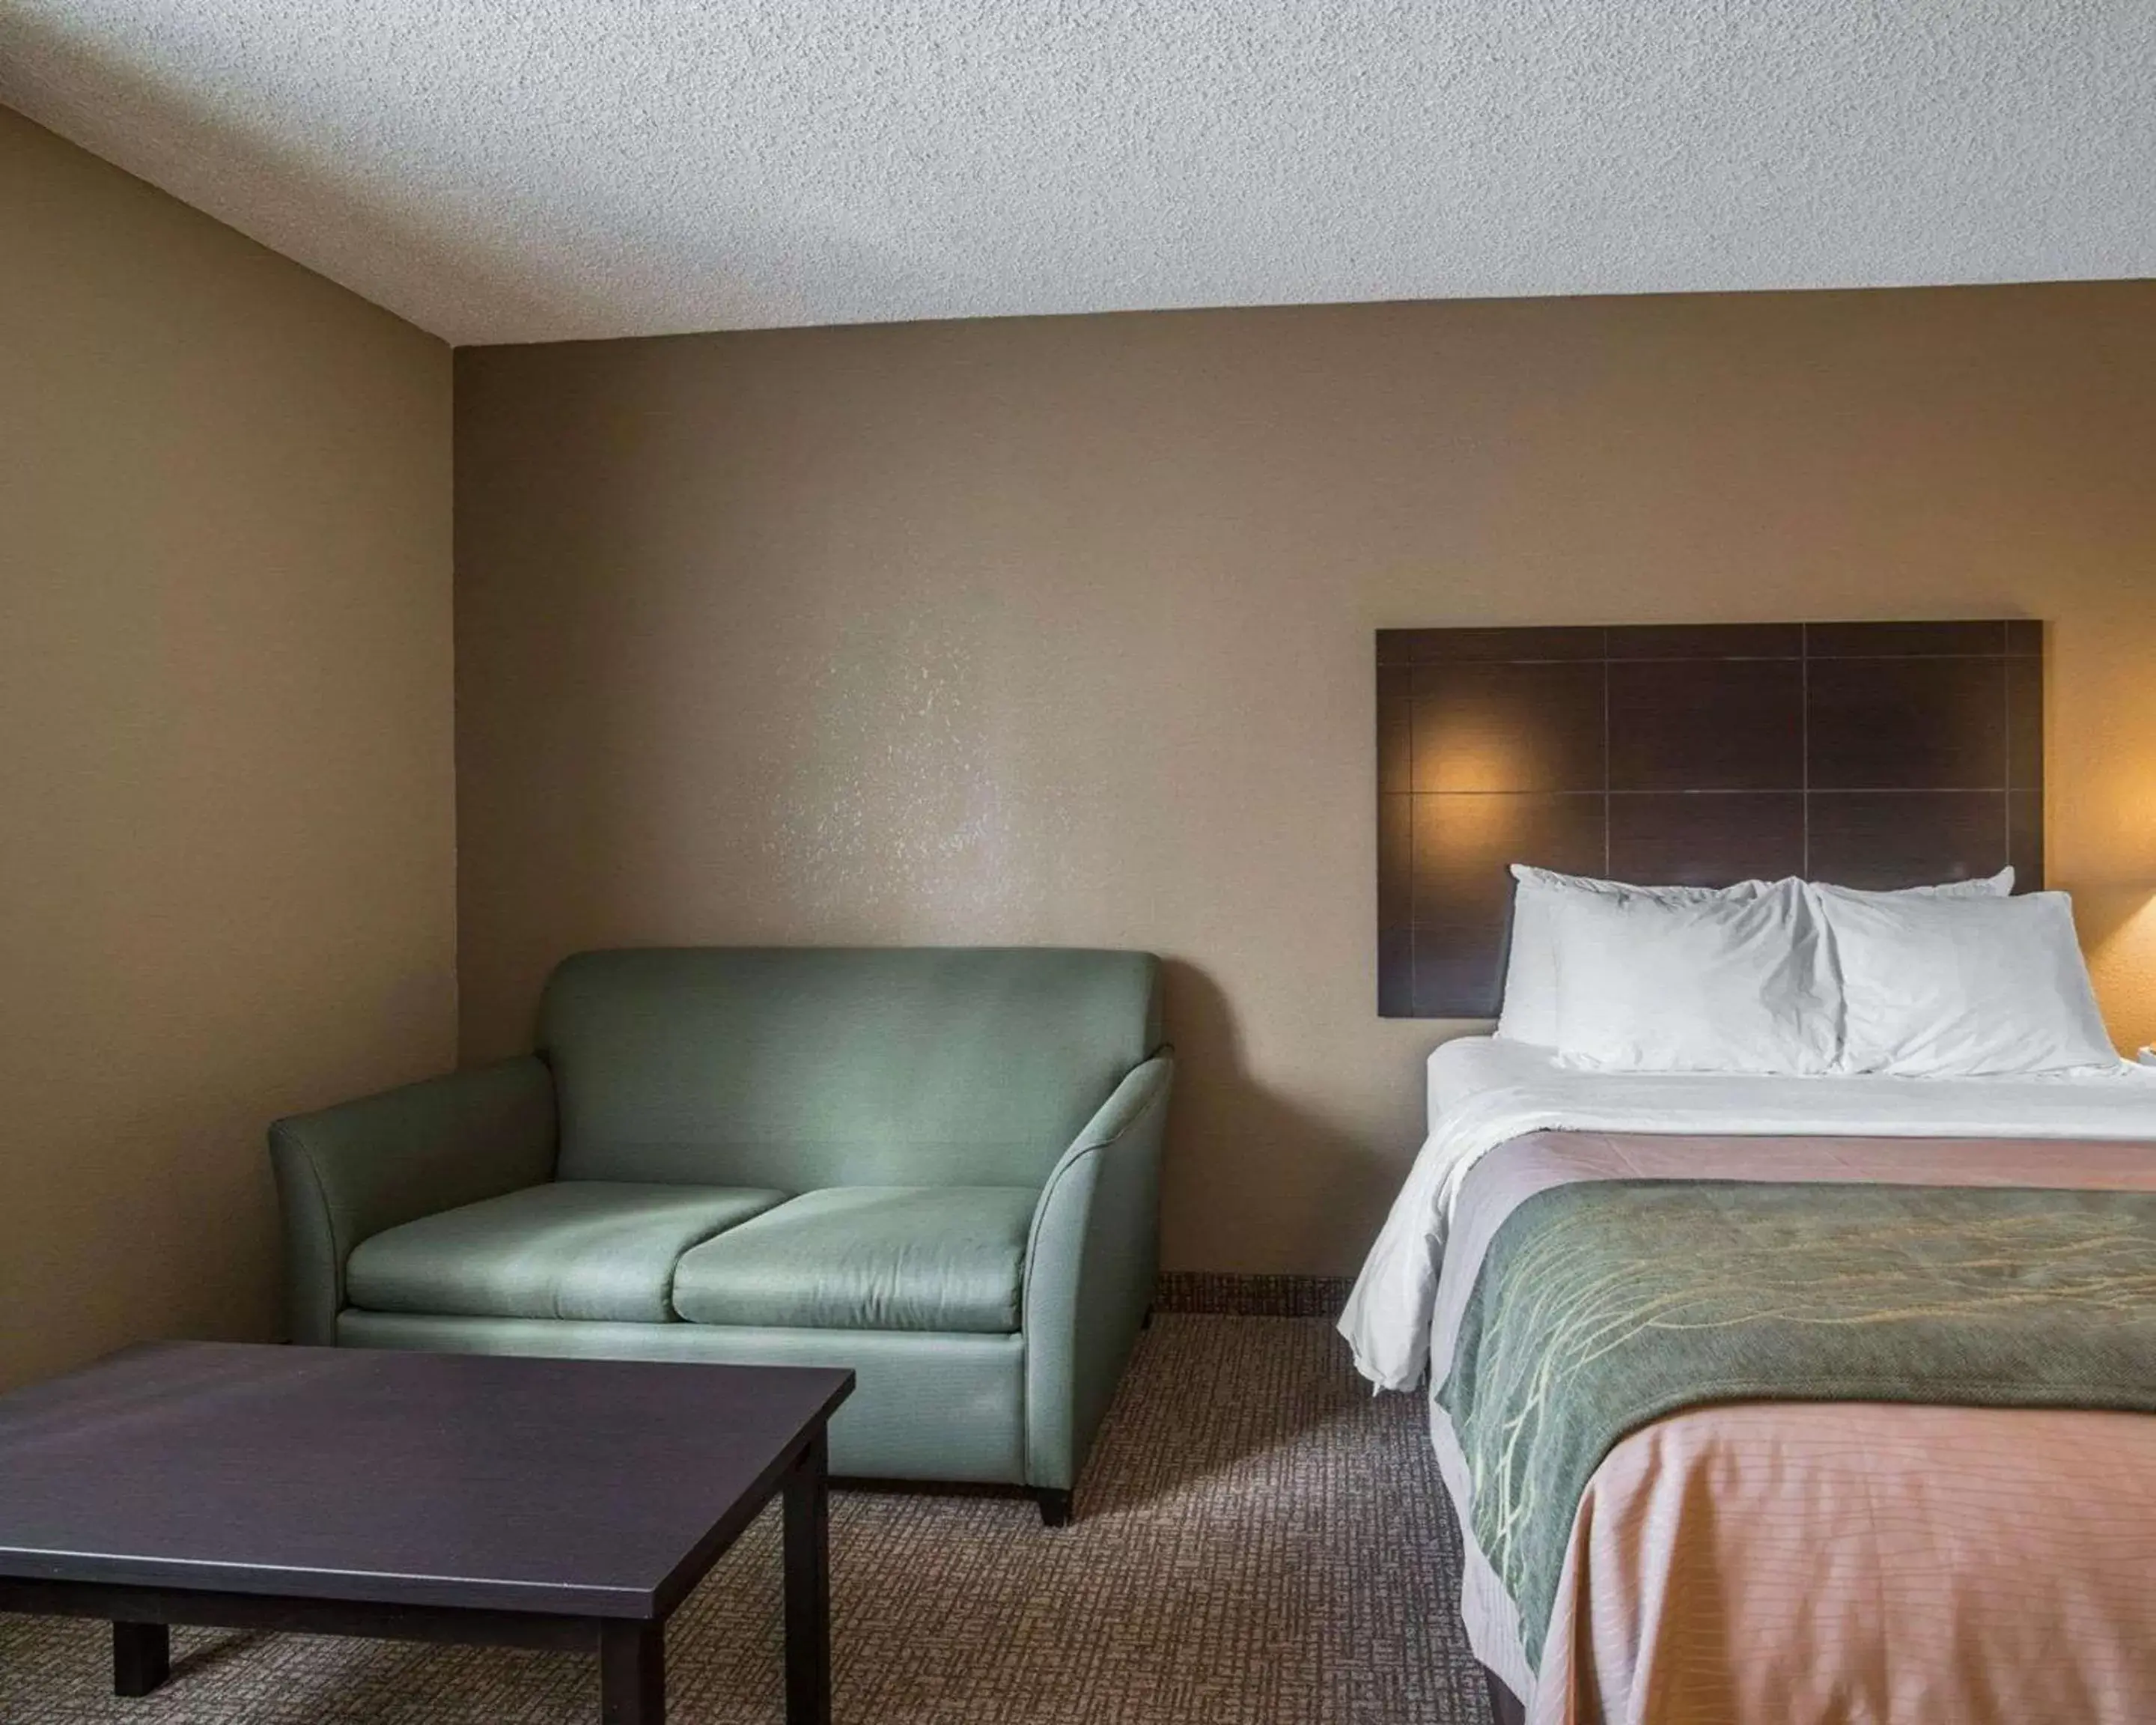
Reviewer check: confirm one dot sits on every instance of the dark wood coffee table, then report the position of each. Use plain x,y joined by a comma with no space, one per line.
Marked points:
568,1504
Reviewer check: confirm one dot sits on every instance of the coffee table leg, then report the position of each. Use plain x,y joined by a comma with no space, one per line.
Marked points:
809,1587
633,1673
141,1657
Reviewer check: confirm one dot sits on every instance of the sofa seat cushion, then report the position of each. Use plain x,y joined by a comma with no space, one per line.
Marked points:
868,1258
596,1250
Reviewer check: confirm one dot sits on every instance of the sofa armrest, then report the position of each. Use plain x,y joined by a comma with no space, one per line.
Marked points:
1090,1266
346,1173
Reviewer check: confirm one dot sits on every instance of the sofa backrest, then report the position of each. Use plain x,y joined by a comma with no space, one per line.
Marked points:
811,1066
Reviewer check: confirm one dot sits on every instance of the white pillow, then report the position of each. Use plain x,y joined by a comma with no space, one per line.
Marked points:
1959,988
1709,985
1996,886
1529,1011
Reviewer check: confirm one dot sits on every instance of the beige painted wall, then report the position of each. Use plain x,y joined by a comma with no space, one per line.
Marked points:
227,863
1060,631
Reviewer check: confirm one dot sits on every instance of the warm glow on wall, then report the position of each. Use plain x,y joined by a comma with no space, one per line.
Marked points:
2119,929
1468,756
2116,910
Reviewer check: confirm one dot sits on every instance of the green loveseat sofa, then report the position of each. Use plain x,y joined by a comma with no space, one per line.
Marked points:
937,1165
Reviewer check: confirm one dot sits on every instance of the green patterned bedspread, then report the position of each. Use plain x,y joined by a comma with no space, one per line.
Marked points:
1604,1305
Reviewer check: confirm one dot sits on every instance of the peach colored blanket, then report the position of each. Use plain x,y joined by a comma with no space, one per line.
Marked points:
1863,1563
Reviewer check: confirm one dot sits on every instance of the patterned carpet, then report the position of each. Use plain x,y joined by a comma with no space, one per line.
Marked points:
1260,1543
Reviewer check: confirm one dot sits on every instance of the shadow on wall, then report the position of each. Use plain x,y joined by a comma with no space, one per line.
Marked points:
1302,1185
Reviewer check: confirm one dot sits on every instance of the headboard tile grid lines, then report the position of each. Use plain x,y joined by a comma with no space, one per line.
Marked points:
1875,754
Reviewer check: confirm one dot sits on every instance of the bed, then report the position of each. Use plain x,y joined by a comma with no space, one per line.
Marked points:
1892,1522
1781,1276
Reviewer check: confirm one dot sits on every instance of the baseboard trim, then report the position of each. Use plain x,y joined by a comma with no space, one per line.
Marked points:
1217,1292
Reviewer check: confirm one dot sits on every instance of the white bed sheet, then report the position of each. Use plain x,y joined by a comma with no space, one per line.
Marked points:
1483,1091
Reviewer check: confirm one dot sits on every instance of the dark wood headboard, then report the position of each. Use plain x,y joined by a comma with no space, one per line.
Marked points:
1872,754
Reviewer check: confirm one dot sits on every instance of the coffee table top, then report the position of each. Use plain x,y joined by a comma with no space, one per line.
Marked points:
599,1488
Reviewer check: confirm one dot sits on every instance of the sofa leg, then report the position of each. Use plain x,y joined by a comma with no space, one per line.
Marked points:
1054,1508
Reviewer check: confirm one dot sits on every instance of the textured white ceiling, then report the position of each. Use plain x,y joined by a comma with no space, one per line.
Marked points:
529,170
